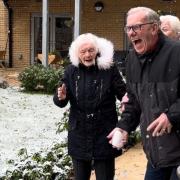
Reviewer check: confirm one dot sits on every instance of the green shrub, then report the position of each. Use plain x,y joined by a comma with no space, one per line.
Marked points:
62,125
40,78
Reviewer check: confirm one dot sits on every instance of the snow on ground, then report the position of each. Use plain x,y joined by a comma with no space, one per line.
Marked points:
26,121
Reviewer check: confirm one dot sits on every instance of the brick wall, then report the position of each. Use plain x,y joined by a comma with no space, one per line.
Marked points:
22,11
109,23
3,27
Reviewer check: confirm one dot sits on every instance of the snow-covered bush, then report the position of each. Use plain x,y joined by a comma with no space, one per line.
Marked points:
51,164
38,77
54,163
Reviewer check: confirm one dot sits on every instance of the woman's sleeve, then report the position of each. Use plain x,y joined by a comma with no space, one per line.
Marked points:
62,103
130,118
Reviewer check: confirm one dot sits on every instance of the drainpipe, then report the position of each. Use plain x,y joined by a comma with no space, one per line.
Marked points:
77,18
10,13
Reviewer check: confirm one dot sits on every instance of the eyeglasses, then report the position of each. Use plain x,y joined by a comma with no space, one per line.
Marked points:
136,28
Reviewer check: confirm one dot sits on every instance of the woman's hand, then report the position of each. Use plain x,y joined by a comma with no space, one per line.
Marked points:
121,141
62,92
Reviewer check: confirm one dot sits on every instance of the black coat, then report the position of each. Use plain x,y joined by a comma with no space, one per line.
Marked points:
92,94
153,82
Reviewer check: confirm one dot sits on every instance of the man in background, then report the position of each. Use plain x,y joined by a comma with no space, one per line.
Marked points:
170,26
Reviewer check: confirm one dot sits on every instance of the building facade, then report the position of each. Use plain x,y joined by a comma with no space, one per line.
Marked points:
21,24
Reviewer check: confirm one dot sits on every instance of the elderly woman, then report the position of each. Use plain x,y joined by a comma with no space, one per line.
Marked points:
170,26
91,84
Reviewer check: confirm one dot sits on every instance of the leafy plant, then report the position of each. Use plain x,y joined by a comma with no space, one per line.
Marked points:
53,163
40,78
55,52
63,124
64,62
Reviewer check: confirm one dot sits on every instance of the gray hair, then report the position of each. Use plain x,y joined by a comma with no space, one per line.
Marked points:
150,15
173,21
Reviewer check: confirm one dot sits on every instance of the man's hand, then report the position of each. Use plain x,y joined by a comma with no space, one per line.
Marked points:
160,126
124,136
62,92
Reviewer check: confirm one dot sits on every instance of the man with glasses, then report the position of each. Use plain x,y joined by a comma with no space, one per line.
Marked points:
153,87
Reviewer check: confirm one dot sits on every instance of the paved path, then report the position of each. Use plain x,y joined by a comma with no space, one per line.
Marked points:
131,165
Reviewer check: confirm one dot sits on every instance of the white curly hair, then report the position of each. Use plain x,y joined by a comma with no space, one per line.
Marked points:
174,22
102,46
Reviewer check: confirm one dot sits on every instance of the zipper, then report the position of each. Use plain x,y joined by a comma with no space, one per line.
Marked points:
101,87
76,84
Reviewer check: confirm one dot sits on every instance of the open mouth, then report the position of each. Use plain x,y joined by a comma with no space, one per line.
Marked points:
137,41
138,44
88,60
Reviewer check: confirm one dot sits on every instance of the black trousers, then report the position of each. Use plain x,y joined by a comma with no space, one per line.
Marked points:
104,169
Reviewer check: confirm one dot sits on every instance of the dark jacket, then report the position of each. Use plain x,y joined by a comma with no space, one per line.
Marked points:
92,93
153,82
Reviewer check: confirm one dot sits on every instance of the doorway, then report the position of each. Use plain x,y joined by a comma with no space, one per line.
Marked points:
60,35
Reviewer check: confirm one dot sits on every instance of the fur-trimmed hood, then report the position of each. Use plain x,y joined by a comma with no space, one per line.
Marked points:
104,48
